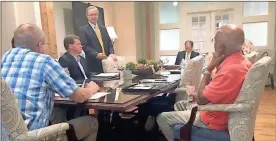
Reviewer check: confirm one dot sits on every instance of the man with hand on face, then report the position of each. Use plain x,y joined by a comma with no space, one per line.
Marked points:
96,42
232,68
187,54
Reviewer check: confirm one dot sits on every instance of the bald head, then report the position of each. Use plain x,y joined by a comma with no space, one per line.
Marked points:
29,36
230,38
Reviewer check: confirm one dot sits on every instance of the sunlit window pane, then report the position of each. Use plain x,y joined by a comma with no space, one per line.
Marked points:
256,33
169,39
255,8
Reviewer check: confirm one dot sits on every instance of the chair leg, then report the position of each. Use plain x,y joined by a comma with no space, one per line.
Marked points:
272,80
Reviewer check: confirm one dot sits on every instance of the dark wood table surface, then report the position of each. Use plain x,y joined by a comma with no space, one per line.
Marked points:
122,101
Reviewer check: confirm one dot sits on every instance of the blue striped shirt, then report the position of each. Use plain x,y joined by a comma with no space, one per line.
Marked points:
34,79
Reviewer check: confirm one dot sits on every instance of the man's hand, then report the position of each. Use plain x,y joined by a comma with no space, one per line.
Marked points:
216,61
101,56
114,57
92,85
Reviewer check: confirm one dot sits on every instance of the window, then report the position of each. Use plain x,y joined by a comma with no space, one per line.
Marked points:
199,32
255,8
169,12
221,20
256,33
168,60
169,39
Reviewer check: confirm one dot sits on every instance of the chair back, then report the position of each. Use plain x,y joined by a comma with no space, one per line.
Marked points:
252,57
109,65
241,124
11,116
191,75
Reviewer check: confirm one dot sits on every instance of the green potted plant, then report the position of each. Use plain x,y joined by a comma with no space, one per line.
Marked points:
155,65
141,68
142,61
130,66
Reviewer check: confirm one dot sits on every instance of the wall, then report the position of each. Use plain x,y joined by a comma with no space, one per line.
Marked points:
125,28
16,13
27,12
60,24
8,25
140,30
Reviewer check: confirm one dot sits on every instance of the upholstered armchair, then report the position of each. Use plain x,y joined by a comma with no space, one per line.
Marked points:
252,57
242,114
110,66
191,75
13,123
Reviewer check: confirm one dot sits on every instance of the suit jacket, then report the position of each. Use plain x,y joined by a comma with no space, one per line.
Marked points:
181,55
68,61
92,46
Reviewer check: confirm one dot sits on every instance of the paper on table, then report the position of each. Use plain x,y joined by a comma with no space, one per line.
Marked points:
56,94
109,74
99,95
142,86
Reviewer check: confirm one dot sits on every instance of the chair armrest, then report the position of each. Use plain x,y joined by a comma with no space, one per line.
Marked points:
42,133
225,107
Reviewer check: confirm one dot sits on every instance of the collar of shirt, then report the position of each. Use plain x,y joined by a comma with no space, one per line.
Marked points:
77,58
230,58
21,47
92,25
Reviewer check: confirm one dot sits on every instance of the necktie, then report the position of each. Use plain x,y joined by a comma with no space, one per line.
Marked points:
82,70
98,33
187,56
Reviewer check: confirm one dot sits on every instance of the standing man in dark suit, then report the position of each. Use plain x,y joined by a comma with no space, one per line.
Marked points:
96,42
187,54
76,64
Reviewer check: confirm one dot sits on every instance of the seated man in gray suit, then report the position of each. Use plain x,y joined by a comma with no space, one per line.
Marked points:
187,54
96,42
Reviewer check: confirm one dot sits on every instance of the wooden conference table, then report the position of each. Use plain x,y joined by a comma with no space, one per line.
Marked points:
118,101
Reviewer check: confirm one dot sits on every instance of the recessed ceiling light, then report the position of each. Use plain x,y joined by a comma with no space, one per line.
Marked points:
175,3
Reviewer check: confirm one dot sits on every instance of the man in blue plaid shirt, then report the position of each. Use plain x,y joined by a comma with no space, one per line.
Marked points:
34,78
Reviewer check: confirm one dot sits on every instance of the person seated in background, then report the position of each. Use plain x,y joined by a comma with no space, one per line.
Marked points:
187,54
232,68
34,78
247,48
76,64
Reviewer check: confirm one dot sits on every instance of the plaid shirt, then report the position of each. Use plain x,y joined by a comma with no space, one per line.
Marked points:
34,79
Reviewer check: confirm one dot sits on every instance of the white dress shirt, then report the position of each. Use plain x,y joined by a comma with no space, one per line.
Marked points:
81,68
